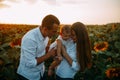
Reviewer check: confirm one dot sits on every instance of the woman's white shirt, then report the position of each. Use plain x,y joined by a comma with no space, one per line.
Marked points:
64,69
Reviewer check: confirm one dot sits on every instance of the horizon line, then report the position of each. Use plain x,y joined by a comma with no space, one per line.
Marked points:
60,24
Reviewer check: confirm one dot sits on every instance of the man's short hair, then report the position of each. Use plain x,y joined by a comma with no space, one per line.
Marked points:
49,20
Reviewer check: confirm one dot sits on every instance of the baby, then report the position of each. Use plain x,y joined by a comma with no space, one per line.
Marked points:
62,40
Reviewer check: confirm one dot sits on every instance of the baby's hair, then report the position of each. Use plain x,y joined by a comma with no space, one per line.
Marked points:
65,28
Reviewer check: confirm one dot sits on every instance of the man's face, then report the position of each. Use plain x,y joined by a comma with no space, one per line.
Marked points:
53,31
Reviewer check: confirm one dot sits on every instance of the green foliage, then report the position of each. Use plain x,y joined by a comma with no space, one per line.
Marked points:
102,60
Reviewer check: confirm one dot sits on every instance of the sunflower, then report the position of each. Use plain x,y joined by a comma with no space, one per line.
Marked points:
101,46
112,72
15,42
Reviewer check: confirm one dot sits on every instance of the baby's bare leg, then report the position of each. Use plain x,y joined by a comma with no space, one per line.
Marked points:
54,64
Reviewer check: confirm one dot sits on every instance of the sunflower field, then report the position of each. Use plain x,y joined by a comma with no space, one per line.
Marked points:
105,44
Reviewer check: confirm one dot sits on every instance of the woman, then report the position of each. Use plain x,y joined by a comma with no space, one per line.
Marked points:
79,57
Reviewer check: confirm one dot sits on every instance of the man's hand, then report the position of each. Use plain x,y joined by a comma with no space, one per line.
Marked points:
52,52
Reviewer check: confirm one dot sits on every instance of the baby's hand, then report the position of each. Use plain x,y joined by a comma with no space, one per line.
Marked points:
59,58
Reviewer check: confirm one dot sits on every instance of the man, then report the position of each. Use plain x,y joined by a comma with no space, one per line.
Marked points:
34,42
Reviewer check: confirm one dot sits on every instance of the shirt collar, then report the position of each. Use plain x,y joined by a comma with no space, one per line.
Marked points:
40,34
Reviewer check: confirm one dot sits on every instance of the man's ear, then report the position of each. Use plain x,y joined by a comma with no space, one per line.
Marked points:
45,29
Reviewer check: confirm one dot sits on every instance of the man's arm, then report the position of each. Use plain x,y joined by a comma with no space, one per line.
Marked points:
49,54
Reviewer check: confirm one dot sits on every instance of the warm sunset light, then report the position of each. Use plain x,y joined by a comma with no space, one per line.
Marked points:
68,11
24,41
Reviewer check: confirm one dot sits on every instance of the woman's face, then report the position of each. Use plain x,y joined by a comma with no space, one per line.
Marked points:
73,36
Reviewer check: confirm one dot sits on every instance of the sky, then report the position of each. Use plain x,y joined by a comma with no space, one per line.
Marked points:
68,11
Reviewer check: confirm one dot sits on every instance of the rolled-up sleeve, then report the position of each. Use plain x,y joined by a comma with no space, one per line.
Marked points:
75,66
29,53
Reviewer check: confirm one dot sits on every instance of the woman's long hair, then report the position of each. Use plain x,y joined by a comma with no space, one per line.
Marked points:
83,45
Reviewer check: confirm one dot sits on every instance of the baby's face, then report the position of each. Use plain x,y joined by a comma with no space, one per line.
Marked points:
65,35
